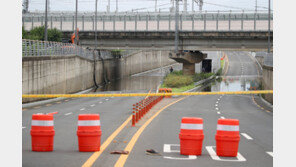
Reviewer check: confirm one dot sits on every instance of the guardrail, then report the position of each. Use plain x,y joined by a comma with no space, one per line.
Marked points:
33,48
158,21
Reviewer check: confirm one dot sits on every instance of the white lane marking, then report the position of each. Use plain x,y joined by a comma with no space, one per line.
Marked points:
214,156
92,105
106,99
218,112
270,153
100,102
222,117
217,101
82,109
23,127
68,113
167,149
217,108
190,157
216,105
247,136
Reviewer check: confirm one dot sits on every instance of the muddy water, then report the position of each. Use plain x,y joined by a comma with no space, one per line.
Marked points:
239,83
140,82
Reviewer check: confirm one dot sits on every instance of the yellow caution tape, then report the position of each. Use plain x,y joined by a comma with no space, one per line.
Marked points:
145,94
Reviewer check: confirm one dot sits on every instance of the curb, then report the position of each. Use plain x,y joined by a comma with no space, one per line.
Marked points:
266,102
33,104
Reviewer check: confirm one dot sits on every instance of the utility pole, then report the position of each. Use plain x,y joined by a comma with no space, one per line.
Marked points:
26,6
192,5
155,5
45,30
185,5
268,26
116,6
76,33
108,7
177,26
255,6
96,37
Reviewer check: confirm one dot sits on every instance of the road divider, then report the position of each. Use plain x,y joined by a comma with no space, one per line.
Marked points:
143,107
145,94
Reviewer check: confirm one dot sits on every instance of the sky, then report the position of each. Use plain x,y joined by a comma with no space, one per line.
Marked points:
145,5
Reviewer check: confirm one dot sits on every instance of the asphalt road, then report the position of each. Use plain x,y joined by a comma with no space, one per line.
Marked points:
256,144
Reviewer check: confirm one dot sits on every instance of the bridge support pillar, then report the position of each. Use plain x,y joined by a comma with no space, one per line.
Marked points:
188,59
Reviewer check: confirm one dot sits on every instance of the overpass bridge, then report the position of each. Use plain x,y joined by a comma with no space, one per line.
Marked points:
221,30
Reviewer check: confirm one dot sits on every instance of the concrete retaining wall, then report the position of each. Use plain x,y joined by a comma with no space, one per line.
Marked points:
70,74
267,81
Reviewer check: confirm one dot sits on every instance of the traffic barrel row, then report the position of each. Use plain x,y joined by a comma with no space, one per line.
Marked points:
143,107
88,132
191,136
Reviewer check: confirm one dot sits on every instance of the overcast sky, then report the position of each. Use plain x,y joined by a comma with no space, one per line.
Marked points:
149,5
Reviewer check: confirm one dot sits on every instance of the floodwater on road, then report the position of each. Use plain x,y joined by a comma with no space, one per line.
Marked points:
233,83
140,82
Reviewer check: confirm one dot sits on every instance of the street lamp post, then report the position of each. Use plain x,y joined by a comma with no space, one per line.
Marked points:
45,30
96,38
76,33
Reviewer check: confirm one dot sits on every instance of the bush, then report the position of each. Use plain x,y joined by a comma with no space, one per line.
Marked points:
24,33
177,72
219,72
37,33
201,76
174,81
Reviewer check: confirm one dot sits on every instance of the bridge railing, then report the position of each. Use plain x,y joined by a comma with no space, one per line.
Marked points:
156,21
34,48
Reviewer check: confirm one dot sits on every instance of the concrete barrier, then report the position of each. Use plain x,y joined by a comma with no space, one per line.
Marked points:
70,74
267,81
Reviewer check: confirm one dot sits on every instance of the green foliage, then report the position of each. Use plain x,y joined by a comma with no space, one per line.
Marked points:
24,33
116,52
37,33
219,72
177,72
201,76
176,81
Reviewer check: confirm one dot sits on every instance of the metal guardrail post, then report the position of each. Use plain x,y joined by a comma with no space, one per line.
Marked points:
181,22
136,21
217,21
229,20
192,22
61,24
103,22
73,23
124,22
255,14
158,22
32,22
242,21
83,22
205,20
147,22
113,22
170,22
51,22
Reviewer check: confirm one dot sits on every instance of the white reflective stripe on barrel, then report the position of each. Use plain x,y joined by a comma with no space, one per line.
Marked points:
41,123
228,127
192,126
89,123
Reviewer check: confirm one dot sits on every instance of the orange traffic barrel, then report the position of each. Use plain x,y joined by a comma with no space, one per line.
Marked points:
42,132
89,132
227,137
191,136
169,90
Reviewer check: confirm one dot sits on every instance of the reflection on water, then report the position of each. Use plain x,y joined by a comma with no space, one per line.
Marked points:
240,83
140,82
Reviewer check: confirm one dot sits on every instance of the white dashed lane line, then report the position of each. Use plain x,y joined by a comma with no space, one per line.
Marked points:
217,102
247,136
218,112
68,113
106,99
92,105
217,108
100,102
222,117
270,153
82,109
216,105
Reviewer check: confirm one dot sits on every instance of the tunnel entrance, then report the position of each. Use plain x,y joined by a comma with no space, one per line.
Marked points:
206,66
